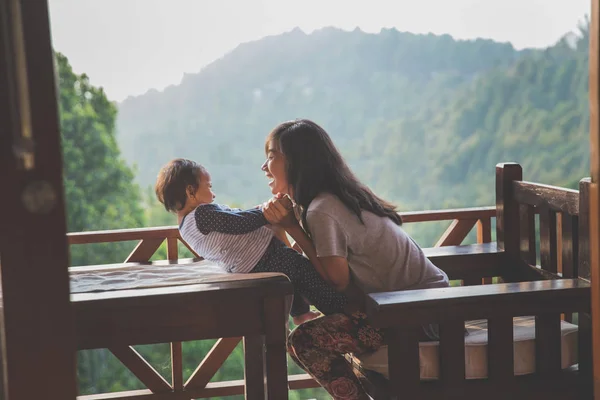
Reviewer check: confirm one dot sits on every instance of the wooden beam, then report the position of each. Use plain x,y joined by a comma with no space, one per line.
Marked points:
38,347
456,232
144,250
594,212
212,389
212,362
133,361
176,366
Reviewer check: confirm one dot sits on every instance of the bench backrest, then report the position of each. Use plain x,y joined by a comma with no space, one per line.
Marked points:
563,226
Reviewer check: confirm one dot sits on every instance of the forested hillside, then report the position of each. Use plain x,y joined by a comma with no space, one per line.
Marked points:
352,83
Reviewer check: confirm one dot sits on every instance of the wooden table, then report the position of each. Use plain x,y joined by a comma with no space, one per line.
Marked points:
254,309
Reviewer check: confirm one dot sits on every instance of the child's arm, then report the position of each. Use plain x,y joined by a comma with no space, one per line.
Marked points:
212,218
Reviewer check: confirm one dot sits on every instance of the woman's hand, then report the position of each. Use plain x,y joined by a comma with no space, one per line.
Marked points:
279,211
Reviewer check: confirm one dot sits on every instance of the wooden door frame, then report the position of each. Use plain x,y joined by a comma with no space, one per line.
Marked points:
594,93
37,324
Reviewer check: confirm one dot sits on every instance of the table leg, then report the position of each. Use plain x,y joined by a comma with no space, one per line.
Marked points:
275,346
254,367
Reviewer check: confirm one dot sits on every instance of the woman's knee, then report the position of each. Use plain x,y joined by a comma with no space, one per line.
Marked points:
295,338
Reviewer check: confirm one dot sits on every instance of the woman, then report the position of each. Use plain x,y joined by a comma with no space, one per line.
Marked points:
358,241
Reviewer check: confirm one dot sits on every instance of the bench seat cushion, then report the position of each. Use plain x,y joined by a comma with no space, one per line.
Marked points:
476,363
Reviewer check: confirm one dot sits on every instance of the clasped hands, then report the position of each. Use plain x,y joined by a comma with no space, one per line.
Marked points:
280,211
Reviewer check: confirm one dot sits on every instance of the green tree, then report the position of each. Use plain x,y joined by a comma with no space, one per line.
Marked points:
100,190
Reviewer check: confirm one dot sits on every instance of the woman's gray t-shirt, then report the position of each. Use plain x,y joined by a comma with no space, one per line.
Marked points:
381,256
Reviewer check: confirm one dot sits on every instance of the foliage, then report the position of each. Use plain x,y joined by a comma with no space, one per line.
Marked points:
99,186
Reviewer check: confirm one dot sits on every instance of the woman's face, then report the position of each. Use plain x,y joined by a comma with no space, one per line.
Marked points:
274,168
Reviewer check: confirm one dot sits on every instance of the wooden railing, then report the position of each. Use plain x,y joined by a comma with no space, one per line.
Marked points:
150,239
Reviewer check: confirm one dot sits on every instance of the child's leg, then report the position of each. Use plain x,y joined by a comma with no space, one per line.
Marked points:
306,280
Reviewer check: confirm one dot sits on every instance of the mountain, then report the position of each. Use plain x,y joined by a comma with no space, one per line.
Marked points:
423,119
349,82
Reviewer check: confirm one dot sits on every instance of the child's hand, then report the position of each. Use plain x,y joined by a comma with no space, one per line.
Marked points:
276,212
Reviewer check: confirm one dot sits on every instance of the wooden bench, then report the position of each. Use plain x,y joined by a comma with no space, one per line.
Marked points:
550,293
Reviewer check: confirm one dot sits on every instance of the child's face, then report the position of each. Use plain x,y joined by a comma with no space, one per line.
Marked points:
274,169
204,193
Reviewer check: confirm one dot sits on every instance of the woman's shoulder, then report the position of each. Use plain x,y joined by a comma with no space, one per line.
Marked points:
327,203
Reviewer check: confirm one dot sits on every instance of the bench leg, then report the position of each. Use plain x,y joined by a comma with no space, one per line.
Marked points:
275,346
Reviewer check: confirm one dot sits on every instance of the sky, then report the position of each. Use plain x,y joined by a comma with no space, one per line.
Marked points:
131,46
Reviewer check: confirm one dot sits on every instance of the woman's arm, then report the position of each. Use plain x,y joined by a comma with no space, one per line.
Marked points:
304,242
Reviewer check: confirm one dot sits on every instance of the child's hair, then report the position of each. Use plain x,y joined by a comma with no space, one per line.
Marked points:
173,180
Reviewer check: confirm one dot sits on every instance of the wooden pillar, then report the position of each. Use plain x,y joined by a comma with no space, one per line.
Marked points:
38,348
594,211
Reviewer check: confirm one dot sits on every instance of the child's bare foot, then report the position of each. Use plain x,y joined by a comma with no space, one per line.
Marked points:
300,319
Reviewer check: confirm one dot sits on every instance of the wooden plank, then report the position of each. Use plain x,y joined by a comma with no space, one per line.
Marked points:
254,368
447,215
507,210
472,261
212,390
456,232
452,353
275,316
477,302
141,369
500,350
144,250
212,362
38,346
403,360
548,244
123,235
547,345
176,366
546,196
527,237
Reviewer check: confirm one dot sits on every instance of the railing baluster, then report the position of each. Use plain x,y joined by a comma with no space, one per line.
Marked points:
452,352
484,230
172,251
177,366
141,369
548,251
500,350
547,345
212,362
404,364
527,229
484,235
569,250
456,232
144,250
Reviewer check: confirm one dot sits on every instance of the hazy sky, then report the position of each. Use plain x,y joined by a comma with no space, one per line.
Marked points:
130,46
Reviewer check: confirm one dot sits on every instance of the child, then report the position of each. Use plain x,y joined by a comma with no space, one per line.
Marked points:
240,241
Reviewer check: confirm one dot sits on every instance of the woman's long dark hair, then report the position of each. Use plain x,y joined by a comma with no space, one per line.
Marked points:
314,165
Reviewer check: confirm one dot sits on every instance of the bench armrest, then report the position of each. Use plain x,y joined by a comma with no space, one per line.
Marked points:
417,307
